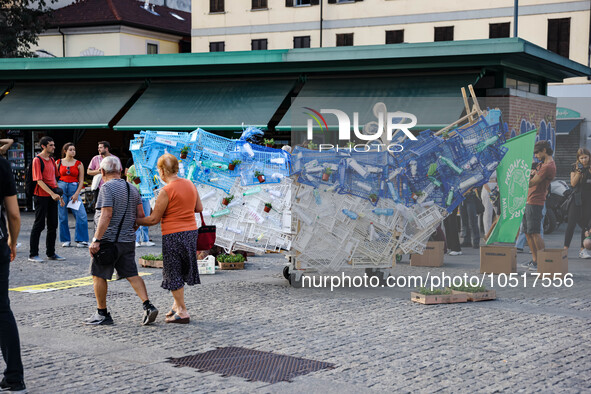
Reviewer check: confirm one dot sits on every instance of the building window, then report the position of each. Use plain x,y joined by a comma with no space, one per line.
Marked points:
394,36
559,36
151,49
259,4
499,30
522,85
219,46
345,40
216,6
301,42
298,3
342,1
260,44
445,33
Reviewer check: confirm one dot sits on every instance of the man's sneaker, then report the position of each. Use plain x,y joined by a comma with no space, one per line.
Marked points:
584,254
82,244
529,264
147,243
66,244
99,320
150,314
455,253
12,387
533,267
55,257
36,259
137,244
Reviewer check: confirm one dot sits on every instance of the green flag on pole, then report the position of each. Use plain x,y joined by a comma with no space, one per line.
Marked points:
513,180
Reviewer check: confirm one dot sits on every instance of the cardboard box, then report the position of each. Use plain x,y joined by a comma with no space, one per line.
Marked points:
432,257
498,259
553,261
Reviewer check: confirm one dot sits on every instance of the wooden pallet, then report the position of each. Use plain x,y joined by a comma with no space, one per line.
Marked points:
480,296
437,299
151,263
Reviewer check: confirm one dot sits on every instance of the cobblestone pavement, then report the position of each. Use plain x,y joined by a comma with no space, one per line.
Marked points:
529,339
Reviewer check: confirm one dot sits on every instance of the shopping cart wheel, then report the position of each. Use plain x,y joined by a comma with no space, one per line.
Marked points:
295,279
286,272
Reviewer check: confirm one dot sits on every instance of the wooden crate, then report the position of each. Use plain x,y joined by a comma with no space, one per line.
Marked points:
231,266
151,263
480,296
438,299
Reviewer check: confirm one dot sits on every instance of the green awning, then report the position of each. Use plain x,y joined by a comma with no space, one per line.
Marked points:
565,126
64,105
212,105
435,100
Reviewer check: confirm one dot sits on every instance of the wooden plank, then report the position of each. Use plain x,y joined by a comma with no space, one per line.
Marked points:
479,296
433,299
476,106
151,263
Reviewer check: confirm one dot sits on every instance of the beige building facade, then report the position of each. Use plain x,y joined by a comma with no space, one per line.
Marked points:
105,41
241,25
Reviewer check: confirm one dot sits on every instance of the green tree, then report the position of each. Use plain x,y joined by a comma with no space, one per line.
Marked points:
21,21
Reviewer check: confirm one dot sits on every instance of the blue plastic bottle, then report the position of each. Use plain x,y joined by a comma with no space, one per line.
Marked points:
350,214
383,211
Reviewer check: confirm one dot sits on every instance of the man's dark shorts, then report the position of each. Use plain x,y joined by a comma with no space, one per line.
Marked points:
532,219
124,264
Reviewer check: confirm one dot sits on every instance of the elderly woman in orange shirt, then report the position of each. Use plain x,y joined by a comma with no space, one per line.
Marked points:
175,208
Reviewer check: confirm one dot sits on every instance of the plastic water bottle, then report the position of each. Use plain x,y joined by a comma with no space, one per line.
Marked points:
277,175
492,166
207,195
363,186
234,230
317,197
236,201
214,164
358,168
223,212
272,192
383,211
471,181
259,237
252,190
350,214
372,232
393,191
486,143
451,164
278,160
450,197
192,168
246,148
435,181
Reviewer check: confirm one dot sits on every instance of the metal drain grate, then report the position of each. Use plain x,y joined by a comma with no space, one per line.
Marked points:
253,365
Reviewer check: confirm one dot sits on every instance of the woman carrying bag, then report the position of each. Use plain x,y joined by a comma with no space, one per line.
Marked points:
579,206
176,206
71,180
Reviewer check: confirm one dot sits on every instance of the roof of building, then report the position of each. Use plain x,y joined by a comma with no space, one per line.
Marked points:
509,54
123,12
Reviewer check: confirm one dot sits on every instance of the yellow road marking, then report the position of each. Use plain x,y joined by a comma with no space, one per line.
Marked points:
64,284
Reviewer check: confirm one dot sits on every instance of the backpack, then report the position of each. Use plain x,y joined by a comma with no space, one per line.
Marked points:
30,184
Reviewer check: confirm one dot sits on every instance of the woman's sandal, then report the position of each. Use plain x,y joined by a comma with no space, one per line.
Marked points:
178,319
170,313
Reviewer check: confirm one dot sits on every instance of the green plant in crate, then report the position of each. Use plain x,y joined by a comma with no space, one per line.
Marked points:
466,287
153,257
269,142
425,291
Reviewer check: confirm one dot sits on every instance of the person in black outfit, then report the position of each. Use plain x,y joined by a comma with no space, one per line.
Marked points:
469,215
13,380
579,208
451,233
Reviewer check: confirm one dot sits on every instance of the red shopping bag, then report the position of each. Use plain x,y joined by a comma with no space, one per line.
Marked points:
206,236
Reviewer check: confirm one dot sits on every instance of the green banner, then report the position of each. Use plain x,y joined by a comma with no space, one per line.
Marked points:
513,179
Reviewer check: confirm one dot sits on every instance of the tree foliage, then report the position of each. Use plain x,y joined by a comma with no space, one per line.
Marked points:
21,21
